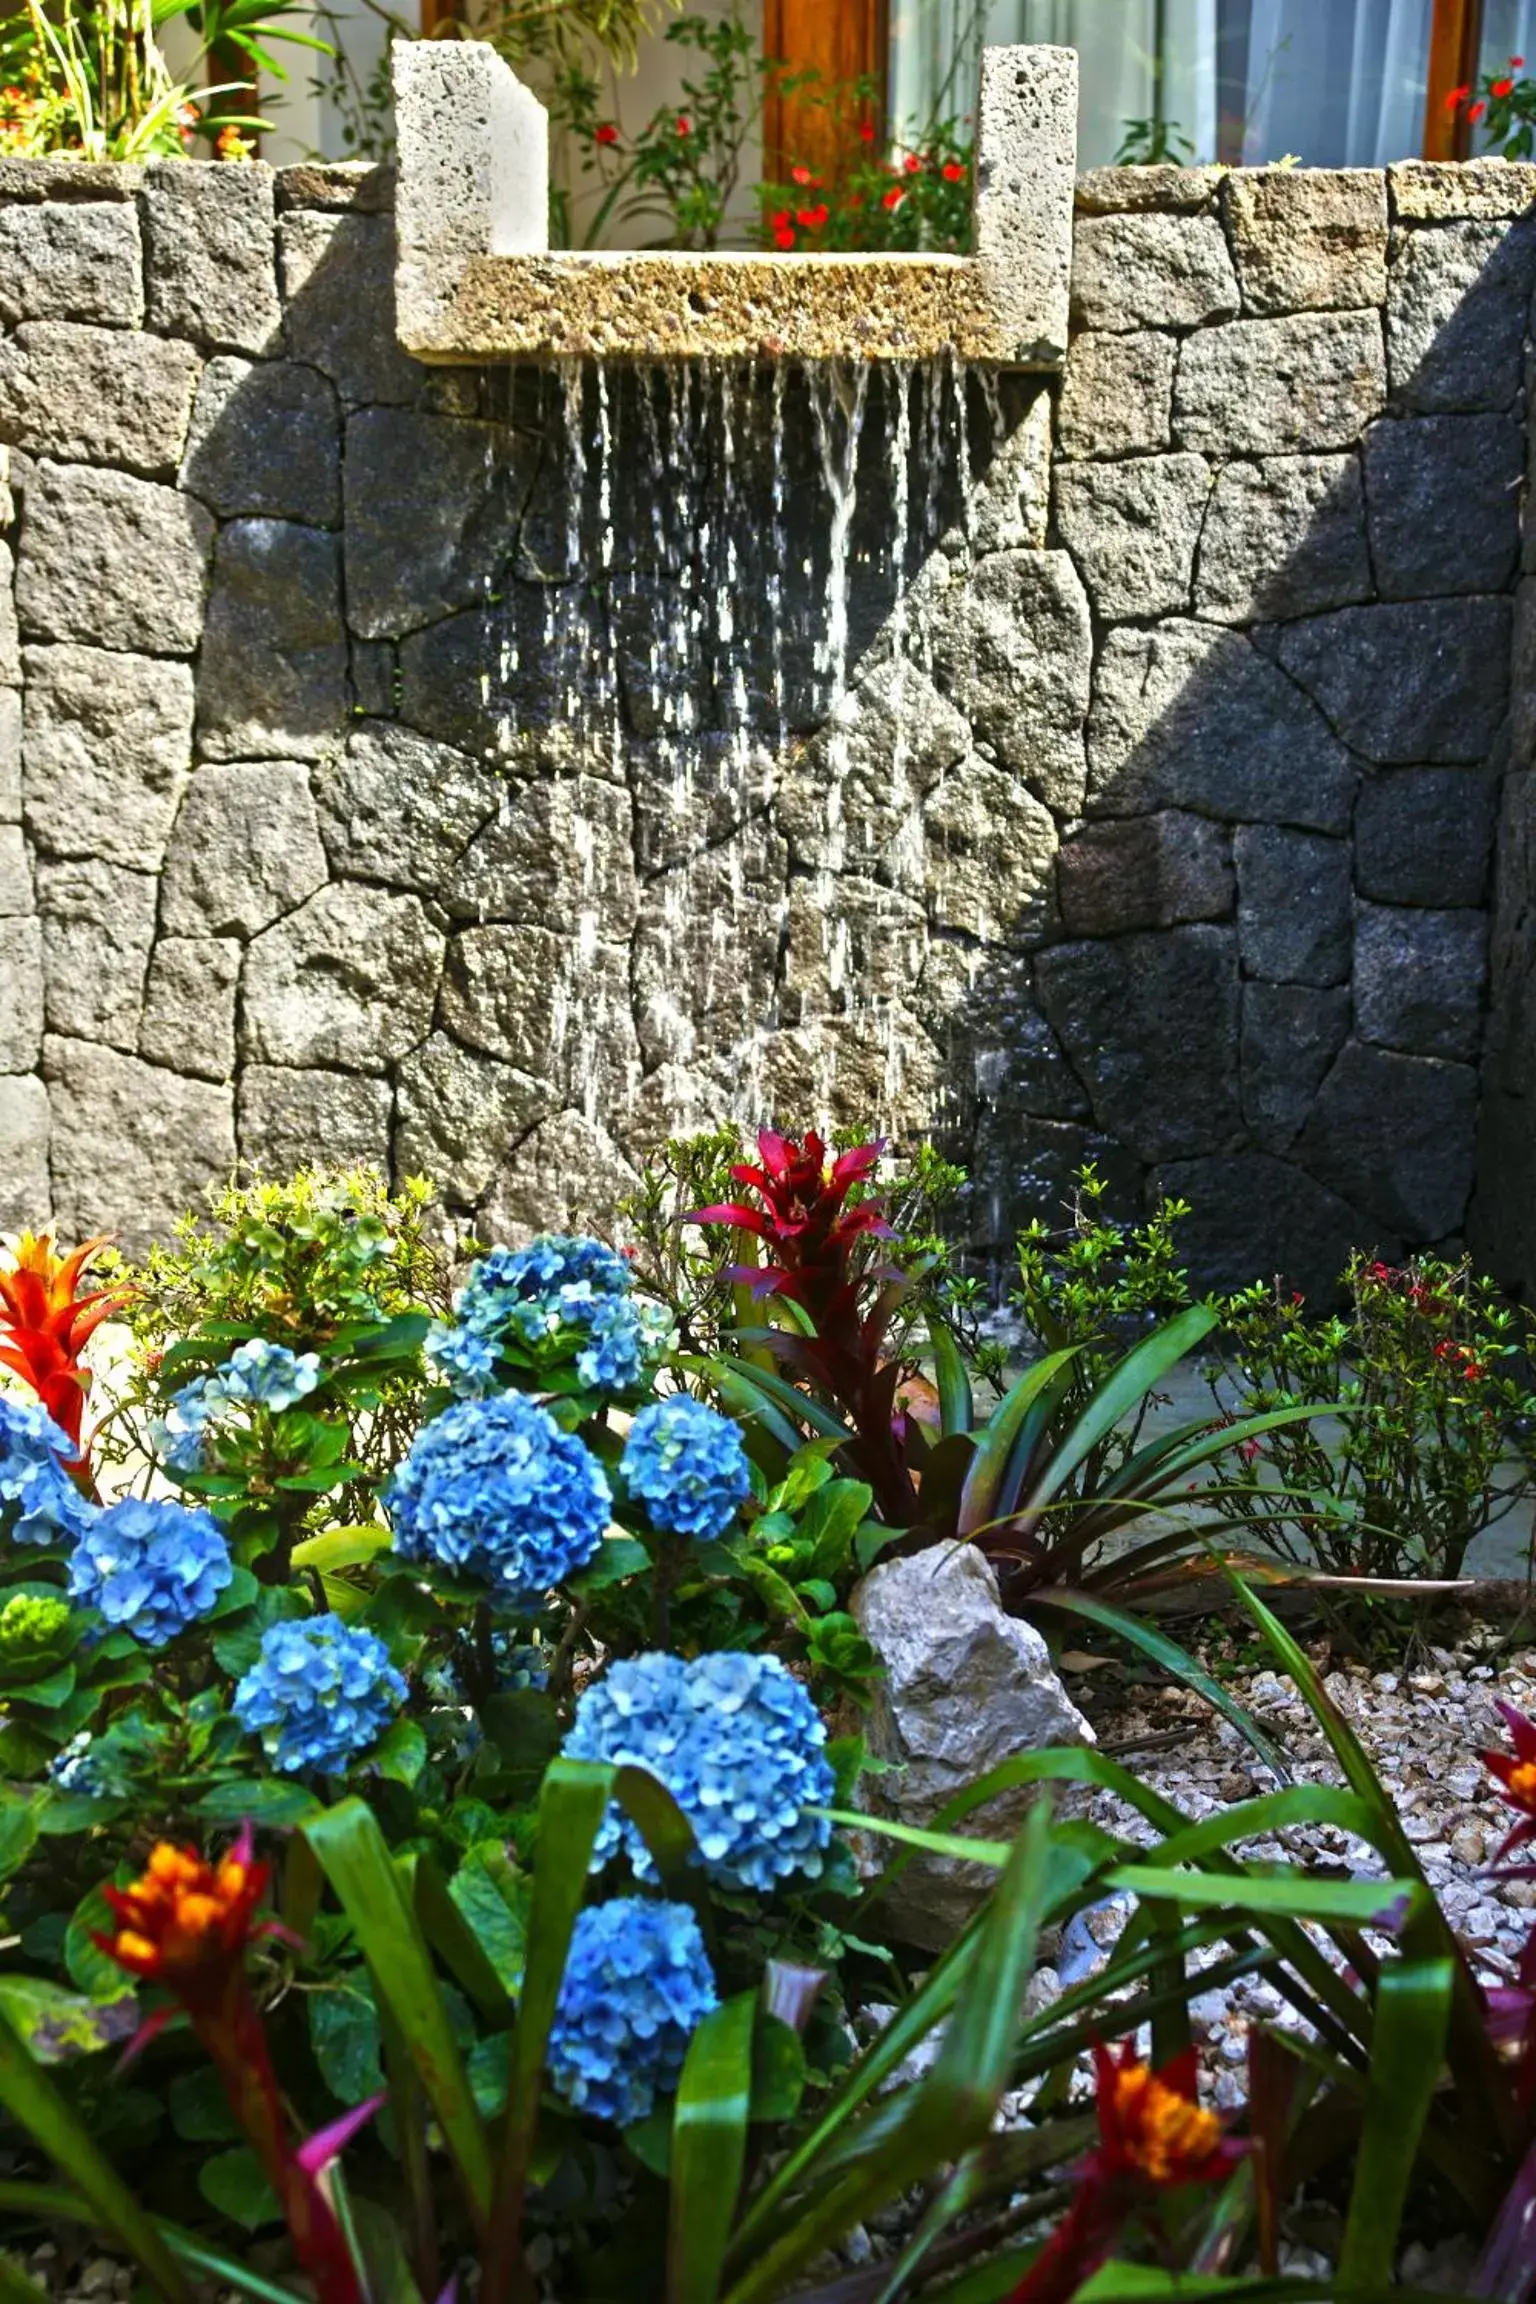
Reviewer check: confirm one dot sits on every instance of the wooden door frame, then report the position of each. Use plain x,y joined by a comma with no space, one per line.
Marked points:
1455,41
842,40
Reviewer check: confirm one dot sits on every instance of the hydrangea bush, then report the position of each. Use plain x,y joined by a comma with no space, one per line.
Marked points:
637,1984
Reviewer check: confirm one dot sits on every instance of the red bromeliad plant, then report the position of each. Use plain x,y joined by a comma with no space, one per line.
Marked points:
46,1323
187,1925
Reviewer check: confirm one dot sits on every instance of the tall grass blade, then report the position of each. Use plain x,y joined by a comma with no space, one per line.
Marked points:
1413,2009
709,2150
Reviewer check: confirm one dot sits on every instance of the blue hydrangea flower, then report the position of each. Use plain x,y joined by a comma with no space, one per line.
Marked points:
150,1566
268,1375
495,1489
39,1503
558,1298
687,1465
738,1744
181,1434
320,1693
637,1985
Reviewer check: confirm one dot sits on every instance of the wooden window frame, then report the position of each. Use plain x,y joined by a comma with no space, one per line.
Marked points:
1455,43
840,41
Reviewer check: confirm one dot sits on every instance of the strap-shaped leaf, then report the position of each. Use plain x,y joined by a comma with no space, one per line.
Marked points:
1413,2010
989,1465
951,1379
709,2149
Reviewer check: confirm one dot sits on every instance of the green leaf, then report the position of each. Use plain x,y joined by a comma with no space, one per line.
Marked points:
59,2026
778,2069
456,1944
347,1547
36,2106
233,2183
1295,1894
492,1896
200,2112
709,2149
355,1858
260,1800
1117,1397
951,1379
401,1752
344,2034
978,1498
95,1971
19,1813
617,1557
1413,2010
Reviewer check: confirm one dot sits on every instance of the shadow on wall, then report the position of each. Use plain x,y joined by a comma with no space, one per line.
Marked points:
583,755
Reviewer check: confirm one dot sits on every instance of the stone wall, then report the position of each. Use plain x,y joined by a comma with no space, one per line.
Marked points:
484,771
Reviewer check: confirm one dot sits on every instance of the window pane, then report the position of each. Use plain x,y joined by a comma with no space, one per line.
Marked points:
1509,29
1340,83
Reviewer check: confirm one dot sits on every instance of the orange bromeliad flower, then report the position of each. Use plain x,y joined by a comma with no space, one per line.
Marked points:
46,1323
185,1923
1516,1772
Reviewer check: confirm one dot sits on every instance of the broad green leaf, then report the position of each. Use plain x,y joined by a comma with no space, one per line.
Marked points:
1117,1397
492,1897
456,1943
778,2069
978,1498
58,2026
951,1379
1413,2008
401,1752
264,1800
1294,1894
344,2034
709,2149
233,2182
200,2112
95,1971
342,1547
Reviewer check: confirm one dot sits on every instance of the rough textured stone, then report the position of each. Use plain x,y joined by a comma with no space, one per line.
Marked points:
1117,395
10,636
568,1173
1308,239
366,186
1257,1218
189,1006
80,261
349,979
16,893
133,1146
559,848
1284,536
1011,504
288,1120
265,441
1109,191
1444,505
460,1116
1419,979
1311,381
10,756
398,808
272,682
1432,190
850,948
107,747
1190,716
338,279
1012,648
1150,1023
716,925
1456,306
1152,871
1420,681
63,177
852,801
538,1000
1394,1135
1422,836
1291,1035
212,265
1293,905
965,1687
1150,271
113,560
990,848
96,395
246,849
21,994
26,1194
1132,528
1026,159
432,504
98,925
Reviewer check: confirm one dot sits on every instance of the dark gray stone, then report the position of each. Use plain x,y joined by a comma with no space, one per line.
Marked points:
1293,905
1456,309
397,808
1132,528
1023,1169
98,925
1284,536
265,441
26,1194
1150,271
1422,836
1150,1023
80,261
1410,681
557,1011
211,248
1256,1218
245,850
1419,979
134,1147
1011,647
1291,1035
339,285
108,745
851,801
1260,387
189,1006
558,848
21,994
1443,493
1394,1136
96,395
1117,395
374,678
989,851
112,560
288,1120
349,979
460,1116
432,510
1191,716
1144,872
272,683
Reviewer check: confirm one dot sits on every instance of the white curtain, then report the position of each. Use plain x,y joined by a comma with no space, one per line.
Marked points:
1339,83
1509,29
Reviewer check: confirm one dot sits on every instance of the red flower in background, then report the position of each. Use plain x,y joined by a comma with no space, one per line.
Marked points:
1516,1773
1501,87
1476,111
684,124
605,133
46,1323
1458,97
895,196
954,172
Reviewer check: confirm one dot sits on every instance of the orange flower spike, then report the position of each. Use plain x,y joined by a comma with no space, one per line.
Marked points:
1516,1774
46,1323
1152,2125
184,1922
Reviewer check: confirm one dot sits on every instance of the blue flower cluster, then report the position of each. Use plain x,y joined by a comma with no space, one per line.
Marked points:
39,1503
558,1298
256,1375
738,1744
320,1693
637,1984
495,1489
688,1467
150,1566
